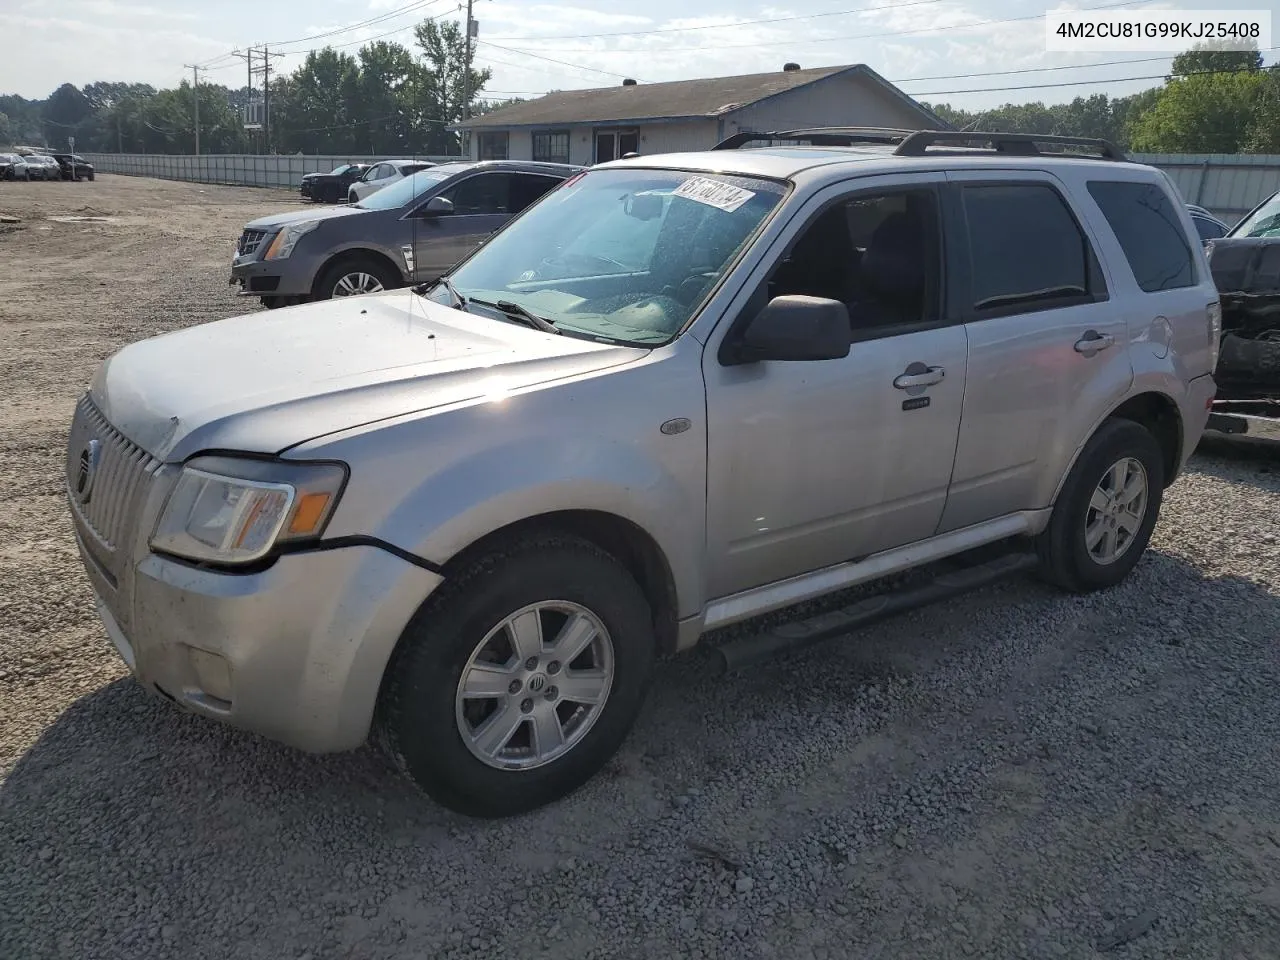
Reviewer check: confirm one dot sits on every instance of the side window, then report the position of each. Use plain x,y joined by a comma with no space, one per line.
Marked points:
1146,223
551,146
482,194
1025,248
526,188
1207,229
876,253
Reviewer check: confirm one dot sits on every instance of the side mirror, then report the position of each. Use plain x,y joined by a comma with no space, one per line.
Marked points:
437,207
796,328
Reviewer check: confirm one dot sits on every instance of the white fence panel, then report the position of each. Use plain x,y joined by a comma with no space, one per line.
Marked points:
250,170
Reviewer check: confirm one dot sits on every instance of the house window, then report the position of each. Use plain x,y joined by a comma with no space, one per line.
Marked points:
551,146
612,144
493,146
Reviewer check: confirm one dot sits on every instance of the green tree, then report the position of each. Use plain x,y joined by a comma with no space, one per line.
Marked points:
443,48
317,107
1211,58
387,93
1205,113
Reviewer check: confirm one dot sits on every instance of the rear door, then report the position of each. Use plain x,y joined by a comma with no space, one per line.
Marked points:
1047,346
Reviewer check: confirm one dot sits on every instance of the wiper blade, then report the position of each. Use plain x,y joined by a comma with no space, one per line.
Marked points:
517,312
459,301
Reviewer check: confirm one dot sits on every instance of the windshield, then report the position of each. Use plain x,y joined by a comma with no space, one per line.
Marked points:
402,191
338,171
1263,222
624,255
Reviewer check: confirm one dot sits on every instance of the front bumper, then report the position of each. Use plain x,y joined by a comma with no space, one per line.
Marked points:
295,652
269,278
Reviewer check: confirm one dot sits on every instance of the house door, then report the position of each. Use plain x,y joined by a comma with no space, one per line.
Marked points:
612,144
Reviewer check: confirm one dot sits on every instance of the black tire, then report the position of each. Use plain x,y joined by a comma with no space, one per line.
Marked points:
1065,558
275,303
347,266
417,724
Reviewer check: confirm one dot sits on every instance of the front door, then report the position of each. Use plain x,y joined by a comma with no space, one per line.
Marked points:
816,463
1048,348
481,205
612,144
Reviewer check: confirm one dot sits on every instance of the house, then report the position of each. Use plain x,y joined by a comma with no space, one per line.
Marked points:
593,126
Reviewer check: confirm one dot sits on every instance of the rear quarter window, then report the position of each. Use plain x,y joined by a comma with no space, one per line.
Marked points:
1146,223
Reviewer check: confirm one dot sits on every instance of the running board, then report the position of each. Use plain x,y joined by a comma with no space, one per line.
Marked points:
809,586
787,637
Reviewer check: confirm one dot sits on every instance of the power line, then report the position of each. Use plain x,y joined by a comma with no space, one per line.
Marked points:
338,31
727,26
1075,83
856,36
563,63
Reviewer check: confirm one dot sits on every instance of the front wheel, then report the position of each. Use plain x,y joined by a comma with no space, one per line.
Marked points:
1106,511
517,682
353,277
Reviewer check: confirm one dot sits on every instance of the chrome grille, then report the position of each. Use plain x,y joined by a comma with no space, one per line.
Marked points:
250,240
122,472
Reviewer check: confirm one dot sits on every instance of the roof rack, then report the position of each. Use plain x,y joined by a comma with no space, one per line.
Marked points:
916,143
1017,144
819,136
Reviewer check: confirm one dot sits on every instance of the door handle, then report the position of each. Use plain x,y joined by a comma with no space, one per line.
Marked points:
1093,341
905,381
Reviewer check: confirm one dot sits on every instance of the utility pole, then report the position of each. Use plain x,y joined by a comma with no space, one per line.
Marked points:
466,78
195,89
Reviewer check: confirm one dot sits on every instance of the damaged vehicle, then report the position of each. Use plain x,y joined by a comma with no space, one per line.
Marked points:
1246,270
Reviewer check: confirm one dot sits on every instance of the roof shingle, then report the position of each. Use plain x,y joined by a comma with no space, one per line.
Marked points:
710,97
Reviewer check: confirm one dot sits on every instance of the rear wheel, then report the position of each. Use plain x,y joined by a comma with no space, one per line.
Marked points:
1108,507
519,680
353,277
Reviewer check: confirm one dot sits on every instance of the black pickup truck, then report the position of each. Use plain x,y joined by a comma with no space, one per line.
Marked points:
1246,270
332,187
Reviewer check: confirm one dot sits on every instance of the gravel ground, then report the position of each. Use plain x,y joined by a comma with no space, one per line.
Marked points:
1019,774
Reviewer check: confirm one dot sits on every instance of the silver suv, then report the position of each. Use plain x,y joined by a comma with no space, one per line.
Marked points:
676,393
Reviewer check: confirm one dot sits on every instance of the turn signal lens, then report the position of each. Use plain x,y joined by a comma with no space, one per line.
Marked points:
308,513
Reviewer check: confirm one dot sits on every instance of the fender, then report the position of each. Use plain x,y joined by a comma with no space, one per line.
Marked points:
472,498
436,482
1161,383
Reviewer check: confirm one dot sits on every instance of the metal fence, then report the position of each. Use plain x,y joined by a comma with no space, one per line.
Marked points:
250,170
1229,185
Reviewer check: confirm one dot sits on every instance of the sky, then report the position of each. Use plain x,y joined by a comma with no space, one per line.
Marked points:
972,54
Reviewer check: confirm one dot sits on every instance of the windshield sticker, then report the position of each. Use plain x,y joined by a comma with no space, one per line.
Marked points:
722,196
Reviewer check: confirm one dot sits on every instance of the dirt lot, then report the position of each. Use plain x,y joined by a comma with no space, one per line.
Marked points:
1021,774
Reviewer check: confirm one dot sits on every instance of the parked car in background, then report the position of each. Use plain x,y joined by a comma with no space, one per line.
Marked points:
1208,226
73,166
673,395
332,187
41,166
411,231
382,174
13,166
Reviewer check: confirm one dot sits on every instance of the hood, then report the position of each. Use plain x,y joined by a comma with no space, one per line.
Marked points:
269,380
277,220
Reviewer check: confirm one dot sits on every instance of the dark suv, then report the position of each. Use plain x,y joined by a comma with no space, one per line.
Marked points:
411,231
331,187
74,167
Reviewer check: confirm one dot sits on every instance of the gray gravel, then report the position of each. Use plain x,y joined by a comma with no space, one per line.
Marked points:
1019,774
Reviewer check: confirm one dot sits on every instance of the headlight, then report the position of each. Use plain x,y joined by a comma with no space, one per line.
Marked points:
230,510
288,238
